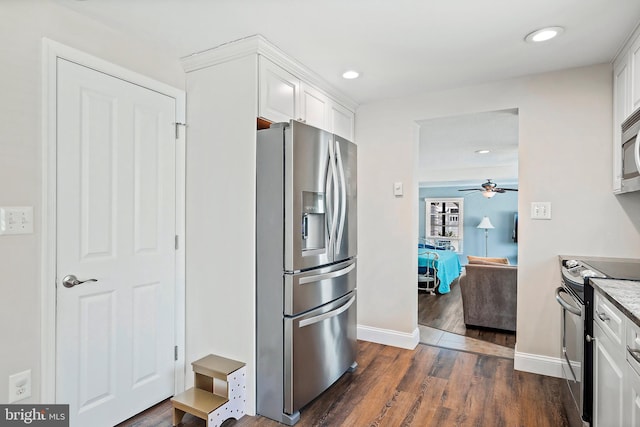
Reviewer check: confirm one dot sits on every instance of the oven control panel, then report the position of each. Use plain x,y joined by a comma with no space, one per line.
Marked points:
578,272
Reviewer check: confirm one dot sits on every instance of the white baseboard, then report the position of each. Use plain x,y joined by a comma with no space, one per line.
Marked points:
389,337
537,364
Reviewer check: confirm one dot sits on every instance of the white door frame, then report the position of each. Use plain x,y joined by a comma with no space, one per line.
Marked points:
51,51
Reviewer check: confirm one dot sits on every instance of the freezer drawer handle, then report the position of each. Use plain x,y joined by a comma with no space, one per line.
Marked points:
333,313
318,277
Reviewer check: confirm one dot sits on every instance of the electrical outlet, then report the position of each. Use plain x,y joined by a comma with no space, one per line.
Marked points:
20,386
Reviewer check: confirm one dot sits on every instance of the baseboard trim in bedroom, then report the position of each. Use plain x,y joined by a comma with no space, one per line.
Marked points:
538,364
389,337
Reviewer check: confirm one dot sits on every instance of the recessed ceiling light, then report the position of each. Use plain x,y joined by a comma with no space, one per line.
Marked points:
543,34
482,151
350,75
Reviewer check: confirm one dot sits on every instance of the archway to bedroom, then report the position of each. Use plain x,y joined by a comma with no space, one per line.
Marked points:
467,274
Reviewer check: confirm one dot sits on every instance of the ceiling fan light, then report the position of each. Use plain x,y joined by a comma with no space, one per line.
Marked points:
488,194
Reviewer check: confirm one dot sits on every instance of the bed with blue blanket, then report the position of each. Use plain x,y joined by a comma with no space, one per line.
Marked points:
447,265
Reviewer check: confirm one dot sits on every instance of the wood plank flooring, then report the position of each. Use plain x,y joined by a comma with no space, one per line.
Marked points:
428,386
445,312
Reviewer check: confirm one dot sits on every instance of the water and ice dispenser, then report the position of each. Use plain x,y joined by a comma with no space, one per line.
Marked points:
313,222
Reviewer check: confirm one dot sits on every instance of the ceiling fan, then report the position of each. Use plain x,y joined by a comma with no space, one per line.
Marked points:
489,189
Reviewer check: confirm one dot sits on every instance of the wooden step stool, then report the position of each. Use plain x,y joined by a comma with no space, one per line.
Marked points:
219,392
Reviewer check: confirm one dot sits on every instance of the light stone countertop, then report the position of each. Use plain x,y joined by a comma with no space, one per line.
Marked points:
624,294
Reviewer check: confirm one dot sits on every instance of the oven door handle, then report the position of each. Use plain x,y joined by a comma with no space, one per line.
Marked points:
566,305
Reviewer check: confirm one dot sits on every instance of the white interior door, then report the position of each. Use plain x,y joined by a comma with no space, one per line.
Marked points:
116,224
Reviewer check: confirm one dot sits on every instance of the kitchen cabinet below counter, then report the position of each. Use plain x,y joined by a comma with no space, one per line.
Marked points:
616,318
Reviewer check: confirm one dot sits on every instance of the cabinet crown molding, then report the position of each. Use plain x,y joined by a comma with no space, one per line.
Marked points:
259,45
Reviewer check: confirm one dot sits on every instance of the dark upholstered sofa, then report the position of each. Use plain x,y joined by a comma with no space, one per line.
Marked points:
489,295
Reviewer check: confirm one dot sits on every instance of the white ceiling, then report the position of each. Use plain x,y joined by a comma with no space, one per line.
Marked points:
448,148
400,47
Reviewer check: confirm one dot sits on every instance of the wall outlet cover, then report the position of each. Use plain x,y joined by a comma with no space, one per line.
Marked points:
20,386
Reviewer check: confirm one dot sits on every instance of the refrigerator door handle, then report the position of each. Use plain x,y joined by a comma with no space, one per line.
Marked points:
325,316
343,196
332,198
324,276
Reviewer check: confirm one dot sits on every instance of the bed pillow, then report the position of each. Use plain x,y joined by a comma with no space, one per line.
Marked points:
486,260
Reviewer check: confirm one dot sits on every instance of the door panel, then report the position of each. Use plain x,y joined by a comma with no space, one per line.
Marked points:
97,344
97,159
147,186
115,223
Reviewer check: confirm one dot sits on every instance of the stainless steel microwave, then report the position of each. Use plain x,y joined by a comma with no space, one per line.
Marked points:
631,153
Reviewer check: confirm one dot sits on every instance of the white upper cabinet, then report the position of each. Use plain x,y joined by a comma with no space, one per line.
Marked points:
626,97
286,89
283,96
315,106
621,110
341,121
634,63
279,93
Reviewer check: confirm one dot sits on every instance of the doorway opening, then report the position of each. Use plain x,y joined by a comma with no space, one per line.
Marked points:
472,157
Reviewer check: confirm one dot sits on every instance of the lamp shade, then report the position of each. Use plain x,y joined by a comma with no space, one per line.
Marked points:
485,223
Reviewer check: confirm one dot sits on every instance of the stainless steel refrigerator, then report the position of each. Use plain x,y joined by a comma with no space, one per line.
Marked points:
306,265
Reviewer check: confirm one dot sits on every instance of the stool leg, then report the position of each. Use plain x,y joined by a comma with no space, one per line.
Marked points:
177,416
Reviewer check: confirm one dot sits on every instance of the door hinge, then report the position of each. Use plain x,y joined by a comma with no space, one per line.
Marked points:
175,353
176,242
177,126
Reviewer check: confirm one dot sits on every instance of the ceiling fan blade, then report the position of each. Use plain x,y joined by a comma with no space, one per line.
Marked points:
470,189
508,189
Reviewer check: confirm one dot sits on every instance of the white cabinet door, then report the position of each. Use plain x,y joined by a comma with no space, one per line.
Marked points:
608,378
279,93
341,121
631,398
634,64
314,107
621,110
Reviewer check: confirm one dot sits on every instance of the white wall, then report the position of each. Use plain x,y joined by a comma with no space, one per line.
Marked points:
565,158
22,25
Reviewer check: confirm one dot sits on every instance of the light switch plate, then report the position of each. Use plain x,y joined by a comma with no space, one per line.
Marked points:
540,210
397,188
16,220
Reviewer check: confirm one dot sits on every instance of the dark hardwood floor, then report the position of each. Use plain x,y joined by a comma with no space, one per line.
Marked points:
428,386
445,312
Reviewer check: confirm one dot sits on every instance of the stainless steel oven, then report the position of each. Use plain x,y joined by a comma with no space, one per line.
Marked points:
573,355
576,342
